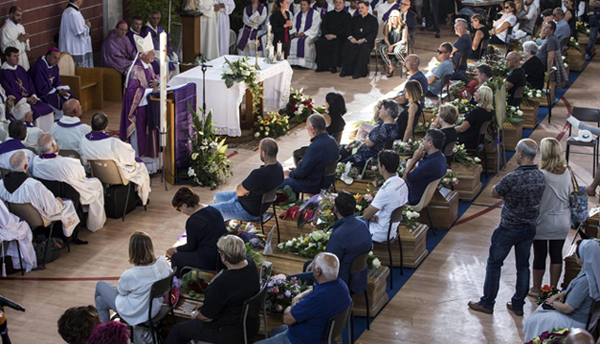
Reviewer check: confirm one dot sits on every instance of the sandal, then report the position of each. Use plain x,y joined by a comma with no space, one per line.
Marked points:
533,294
391,74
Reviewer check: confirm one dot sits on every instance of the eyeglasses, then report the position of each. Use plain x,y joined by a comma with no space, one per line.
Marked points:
507,7
441,52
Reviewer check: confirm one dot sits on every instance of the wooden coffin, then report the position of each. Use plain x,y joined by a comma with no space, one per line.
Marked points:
513,133
591,226
491,157
576,59
543,101
469,180
376,291
428,114
530,113
288,228
443,209
414,248
361,186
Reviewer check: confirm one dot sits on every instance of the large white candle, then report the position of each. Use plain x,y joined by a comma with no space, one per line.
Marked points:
162,39
271,52
279,47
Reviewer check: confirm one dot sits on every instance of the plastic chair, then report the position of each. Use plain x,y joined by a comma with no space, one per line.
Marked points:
338,137
70,153
446,85
425,199
159,289
269,198
34,219
592,322
548,91
449,152
329,171
483,48
18,252
517,96
359,264
337,323
585,115
109,173
253,306
481,144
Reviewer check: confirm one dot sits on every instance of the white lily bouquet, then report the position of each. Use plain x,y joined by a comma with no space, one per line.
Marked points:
241,70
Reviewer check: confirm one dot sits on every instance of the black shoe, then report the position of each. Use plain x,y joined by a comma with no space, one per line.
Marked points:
355,76
342,73
78,241
333,70
437,35
319,70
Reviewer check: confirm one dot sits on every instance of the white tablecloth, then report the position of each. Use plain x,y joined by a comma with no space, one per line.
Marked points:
224,102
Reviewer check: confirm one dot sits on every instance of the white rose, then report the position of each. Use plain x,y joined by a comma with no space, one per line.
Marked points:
245,73
257,134
520,113
476,159
376,263
530,95
288,244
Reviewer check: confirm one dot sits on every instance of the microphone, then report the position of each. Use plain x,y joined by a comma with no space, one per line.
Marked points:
8,303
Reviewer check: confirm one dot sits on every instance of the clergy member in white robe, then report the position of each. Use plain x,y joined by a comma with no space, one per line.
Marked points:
304,33
50,166
255,16
99,146
384,8
295,7
14,35
17,187
17,131
74,35
14,228
322,7
225,7
22,111
209,31
6,105
69,130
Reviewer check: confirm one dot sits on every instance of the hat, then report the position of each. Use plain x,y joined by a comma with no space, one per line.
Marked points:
584,136
142,44
20,110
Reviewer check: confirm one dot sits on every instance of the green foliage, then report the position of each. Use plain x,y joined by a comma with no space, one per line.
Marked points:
143,7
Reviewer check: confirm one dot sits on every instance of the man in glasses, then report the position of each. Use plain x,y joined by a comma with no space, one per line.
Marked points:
435,76
563,30
409,18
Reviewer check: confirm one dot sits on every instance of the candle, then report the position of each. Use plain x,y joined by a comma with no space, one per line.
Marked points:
269,30
279,47
271,52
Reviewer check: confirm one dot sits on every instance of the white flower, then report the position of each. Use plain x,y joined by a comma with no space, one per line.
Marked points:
288,244
257,134
194,156
530,95
376,263
520,113
454,150
358,207
245,73
191,172
204,142
476,159
228,71
262,128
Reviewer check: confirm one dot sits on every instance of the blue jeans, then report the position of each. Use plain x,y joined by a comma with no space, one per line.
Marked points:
106,295
592,41
278,336
502,241
226,202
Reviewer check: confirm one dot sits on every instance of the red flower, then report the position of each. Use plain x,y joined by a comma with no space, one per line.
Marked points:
292,101
294,212
310,106
292,108
281,197
307,215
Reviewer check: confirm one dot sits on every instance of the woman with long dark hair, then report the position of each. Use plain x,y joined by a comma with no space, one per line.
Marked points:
336,108
281,23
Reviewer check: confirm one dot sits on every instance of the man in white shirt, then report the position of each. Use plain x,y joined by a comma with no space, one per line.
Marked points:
50,166
17,187
14,35
391,195
74,35
69,130
17,131
99,146
531,16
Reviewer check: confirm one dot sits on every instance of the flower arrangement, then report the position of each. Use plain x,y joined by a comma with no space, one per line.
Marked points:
406,148
422,127
309,210
513,115
500,69
409,216
551,337
285,196
462,105
299,106
241,70
346,169
545,292
292,213
573,43
373,262
461,156
326,217
281,292
307,245
209,165
363,201
195,283
454,89
271,125
583,28
449,180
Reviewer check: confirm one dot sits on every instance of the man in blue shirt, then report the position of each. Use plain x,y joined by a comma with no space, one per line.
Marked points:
322,150
411,63
306,319
437,74
422,169
563,30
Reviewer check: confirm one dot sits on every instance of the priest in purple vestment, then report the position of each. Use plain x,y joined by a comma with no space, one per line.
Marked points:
46,78
154,30
117,51
140,82
16,82
134,29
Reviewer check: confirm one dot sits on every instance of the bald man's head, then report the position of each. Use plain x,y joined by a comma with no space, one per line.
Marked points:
19,162
327,267
72,108
579,336
513,60
412,63
47,144
526,151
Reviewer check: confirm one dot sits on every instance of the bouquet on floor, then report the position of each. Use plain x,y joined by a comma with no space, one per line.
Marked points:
462,105
281,292
306,245
551,337
209,165
513,115
461,156
299,106
406,148
449,180
241,70
271,125
545,292
195,283
373,262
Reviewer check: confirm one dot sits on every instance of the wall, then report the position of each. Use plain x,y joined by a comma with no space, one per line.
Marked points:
41,19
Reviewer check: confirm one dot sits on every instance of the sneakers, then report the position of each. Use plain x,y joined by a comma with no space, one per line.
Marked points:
476,306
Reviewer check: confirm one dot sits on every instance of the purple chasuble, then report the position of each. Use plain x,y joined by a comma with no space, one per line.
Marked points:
374,3
117,52
307,25
156,41
68,125
323,11
19,84
386,15
45,79
133,116
249,33
97,136
11,145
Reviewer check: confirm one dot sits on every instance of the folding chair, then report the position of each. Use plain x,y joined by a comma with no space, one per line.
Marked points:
585,115
35,221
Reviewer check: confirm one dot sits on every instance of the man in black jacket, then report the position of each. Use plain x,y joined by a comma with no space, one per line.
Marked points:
361,39
334,33
410,18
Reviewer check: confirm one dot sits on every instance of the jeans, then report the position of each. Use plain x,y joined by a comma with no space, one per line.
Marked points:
503,240
106,295
226,202
592,41
278,336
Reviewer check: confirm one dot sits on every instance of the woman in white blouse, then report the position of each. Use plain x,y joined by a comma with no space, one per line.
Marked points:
130,298
508,19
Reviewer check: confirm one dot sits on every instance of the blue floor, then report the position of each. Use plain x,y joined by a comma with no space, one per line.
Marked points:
360,323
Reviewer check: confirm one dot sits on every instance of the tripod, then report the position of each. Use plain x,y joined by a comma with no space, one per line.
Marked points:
3,322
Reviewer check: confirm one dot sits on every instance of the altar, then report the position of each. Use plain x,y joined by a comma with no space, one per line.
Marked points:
225,102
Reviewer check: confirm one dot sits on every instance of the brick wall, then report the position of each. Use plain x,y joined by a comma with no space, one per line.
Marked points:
41,19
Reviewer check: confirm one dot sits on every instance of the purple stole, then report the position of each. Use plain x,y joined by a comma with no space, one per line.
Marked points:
374,3
323,9
307,25
48,156
347,9
68,125
19,84
97,136
45,79
249,33
396,6
11,145
155,40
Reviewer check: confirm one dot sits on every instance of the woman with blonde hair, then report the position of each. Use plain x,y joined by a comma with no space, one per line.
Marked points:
554,221
407,120
395,37
445,120
468,131
130,297
217,320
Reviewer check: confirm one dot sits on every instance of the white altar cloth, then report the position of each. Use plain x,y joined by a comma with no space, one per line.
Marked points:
224,102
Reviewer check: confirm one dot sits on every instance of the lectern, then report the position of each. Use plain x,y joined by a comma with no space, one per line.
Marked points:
191,37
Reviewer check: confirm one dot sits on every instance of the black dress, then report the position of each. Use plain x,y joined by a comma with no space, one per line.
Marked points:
486,35
281,34
572,22
476,118
402,120
337,124
534,72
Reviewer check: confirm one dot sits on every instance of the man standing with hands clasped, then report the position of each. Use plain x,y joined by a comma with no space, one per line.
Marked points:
522,192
